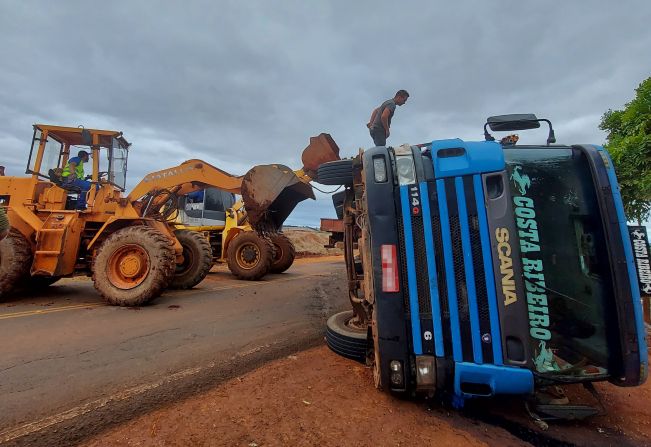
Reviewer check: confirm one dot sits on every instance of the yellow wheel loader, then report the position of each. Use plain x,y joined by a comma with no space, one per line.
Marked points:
126,242
218,216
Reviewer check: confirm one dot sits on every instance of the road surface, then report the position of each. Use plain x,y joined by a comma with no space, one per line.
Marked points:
70,366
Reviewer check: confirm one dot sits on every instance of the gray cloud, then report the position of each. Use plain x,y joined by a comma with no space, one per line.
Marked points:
244,83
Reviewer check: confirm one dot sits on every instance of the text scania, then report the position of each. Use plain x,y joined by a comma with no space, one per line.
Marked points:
506,265
533,268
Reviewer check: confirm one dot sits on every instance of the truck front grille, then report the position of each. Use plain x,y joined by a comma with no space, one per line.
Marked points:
463,308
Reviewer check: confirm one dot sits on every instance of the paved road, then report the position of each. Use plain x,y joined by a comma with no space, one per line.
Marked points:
70,366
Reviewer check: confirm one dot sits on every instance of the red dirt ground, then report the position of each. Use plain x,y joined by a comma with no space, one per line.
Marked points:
312,398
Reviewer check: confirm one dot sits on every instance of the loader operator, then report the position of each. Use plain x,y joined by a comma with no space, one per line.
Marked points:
380,121
73,175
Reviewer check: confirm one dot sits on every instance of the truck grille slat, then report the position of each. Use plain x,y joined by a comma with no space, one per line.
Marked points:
462,308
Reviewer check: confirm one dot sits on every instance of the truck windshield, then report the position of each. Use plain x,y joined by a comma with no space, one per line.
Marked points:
564,259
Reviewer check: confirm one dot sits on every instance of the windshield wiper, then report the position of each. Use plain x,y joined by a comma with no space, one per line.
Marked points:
547,289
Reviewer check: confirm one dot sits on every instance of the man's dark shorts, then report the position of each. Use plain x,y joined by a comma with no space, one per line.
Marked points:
379,136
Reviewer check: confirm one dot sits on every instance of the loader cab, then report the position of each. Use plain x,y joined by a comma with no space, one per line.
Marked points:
53,146
206,207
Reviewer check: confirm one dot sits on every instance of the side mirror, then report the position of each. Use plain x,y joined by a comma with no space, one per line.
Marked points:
509,123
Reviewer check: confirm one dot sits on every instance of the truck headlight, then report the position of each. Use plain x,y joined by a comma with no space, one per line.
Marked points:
425,372
379,170
396,375
406,170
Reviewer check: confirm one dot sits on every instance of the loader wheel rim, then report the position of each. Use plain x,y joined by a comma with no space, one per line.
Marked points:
248,256
128,266
188,261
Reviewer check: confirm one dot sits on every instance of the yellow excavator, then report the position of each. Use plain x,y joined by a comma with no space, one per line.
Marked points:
129,244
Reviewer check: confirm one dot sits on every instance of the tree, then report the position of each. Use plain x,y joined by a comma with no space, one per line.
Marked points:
629,144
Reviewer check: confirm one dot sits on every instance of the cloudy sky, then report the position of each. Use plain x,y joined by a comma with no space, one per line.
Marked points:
239,83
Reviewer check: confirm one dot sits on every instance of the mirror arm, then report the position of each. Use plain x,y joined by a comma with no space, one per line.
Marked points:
487,136
551,138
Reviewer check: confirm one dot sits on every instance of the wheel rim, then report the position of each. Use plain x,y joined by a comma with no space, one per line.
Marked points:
128,266
248,256
188,262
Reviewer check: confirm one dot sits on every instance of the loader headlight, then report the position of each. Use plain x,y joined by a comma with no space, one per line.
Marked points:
406,169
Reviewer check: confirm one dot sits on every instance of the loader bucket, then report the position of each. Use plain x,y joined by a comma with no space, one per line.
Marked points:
321,149
270,193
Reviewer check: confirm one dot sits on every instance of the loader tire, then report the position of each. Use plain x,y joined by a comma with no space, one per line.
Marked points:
338,172
249,256
285,253
345,340
15,262
133,266
197,260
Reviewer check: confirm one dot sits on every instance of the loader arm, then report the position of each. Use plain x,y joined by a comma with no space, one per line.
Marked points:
269,192
189,176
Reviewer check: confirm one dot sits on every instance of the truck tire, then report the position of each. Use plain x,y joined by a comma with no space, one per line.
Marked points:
249,256
15,262
338,172
346,341
133,266
285,253
197,260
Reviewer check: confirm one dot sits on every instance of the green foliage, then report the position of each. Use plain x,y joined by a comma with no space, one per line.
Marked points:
629,144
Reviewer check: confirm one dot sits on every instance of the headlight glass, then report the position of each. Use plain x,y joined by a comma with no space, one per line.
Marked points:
380,169
406,170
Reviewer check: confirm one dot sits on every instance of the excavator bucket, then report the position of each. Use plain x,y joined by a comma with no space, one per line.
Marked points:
270,193
321,149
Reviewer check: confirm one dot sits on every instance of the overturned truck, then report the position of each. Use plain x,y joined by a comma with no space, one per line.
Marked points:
488,268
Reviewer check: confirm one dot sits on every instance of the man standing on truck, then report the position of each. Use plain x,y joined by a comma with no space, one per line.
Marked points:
73,175
380,121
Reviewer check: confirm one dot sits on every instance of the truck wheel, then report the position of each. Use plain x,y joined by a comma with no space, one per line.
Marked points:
15,261
133,266
339,172
197,260
285,253
347,341
249,256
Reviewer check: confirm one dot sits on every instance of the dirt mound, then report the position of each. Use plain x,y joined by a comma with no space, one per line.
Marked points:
309,242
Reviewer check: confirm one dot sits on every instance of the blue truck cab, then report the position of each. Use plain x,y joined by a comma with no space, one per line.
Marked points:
485,268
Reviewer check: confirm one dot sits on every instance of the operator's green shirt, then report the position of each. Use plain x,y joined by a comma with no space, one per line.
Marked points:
4,221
